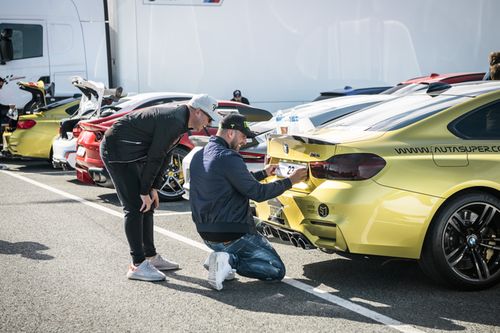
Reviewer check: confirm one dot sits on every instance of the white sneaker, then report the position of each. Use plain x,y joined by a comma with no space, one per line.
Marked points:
219,269
163,264
145,272
230,276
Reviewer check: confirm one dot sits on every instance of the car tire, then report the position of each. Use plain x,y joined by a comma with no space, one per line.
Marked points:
173,179
462,245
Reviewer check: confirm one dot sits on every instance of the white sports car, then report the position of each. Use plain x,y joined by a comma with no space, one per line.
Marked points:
64,146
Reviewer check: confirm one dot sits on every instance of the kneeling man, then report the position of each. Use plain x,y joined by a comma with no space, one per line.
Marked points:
221,187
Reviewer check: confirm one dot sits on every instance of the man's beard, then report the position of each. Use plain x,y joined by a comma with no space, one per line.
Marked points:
234,145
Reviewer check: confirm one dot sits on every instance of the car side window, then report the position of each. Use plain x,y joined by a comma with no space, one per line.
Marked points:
479,124
26,40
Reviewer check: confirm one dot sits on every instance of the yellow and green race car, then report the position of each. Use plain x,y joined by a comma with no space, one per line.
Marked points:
417,177
33,136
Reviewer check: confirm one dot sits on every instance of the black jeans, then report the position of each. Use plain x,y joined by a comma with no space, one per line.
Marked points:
138,226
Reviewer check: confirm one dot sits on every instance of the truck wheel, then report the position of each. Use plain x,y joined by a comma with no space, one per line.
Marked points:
173,179
462,245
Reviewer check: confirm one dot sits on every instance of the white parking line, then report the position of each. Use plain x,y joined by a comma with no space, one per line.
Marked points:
59,172
375,316
173,214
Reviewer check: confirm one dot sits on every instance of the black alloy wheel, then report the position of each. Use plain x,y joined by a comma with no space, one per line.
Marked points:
172,188
462,246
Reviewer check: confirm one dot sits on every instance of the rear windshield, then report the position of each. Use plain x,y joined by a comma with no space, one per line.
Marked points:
396,113
404,89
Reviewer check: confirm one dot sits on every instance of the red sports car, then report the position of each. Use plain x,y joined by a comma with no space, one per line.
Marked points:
90,168
449,78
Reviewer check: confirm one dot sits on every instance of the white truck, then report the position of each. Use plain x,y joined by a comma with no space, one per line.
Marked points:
279,53
52,41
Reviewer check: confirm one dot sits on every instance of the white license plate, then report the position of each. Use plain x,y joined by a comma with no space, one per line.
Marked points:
285,169
80,151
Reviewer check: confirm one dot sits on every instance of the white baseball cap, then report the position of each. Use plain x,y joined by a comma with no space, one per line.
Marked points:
207,104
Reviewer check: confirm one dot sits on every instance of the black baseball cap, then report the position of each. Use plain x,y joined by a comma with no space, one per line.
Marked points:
238,122
236,93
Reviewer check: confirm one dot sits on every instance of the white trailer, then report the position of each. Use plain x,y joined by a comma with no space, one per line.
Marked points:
277,52
283,52
52,40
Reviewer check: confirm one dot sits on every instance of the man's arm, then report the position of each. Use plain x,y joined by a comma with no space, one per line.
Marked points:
245,183
263,174
259,175
163,138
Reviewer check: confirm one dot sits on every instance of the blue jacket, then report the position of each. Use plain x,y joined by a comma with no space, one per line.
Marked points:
221,187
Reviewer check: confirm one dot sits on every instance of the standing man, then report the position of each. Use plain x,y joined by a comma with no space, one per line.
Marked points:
3,108
134,151
238,98
221,187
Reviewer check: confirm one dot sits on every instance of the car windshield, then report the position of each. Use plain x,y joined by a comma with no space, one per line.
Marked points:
397,113
120,104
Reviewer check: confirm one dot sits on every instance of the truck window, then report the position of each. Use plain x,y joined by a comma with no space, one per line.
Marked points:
27,40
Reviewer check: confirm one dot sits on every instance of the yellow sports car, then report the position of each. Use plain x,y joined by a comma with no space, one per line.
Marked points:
416,177
33,136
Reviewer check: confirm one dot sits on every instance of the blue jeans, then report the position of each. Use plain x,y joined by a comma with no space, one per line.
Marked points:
252,256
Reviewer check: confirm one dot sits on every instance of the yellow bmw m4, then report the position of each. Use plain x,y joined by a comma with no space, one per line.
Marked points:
35,132
417,177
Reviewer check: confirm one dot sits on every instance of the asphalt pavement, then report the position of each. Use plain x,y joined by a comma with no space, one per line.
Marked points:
64,257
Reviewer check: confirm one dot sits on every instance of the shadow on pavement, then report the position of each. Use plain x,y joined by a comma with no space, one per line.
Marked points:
26,165
25,249
378,283
170,207
264,297
110,198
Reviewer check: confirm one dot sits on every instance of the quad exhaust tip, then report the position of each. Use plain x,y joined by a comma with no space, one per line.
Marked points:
295,238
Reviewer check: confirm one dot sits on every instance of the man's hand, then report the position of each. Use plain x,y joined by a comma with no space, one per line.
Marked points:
146,203
155,198
270,169
298,175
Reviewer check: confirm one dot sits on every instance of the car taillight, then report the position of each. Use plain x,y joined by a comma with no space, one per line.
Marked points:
26,124
76,131
348,167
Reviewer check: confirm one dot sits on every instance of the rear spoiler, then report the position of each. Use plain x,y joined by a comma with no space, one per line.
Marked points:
307,139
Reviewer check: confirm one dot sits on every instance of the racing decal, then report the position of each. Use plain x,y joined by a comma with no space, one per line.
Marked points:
447,149
323,210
